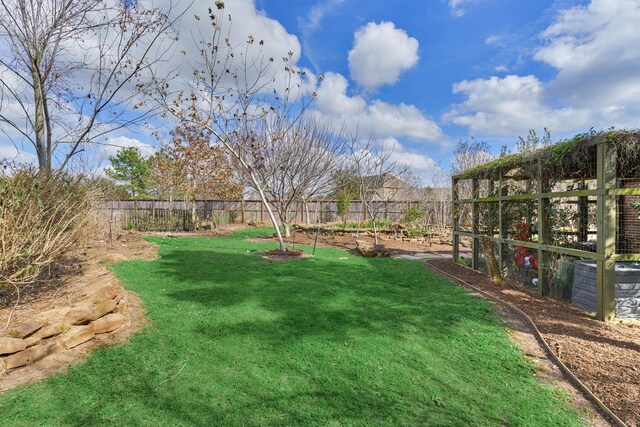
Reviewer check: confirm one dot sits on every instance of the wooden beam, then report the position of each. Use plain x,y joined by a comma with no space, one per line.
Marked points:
606,225
543,226
475,242
552,195
455,212
502,231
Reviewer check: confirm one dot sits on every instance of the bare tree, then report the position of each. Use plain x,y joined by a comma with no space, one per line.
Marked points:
236,88
378,177
437,199
71,70
467,155
297,161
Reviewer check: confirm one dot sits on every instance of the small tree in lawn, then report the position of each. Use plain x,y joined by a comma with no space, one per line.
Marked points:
343,204
132,171
372,168
345,190
297,160
437,199
235,89
167,176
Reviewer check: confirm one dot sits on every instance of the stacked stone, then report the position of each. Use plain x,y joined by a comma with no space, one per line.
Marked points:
102,311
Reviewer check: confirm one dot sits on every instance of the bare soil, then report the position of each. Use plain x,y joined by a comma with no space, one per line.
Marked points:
348,241
276,255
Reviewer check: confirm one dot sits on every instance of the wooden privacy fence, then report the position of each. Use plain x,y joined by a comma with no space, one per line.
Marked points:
244,211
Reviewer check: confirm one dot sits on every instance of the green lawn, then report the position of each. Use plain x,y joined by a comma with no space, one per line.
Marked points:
235,340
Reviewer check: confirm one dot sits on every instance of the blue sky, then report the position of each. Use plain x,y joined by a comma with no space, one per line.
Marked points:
489,69
419,75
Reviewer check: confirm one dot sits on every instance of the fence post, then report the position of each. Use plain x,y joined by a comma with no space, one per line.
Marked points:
606,240
475,229
454,219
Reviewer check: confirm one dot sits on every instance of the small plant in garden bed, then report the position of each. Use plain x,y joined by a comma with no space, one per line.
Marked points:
381,223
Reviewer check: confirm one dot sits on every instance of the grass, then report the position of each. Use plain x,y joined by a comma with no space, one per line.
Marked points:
329,340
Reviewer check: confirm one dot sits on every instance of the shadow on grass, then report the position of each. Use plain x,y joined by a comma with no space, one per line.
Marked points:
236,340
319,296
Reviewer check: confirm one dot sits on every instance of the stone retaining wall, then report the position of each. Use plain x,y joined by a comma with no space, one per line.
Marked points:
103,310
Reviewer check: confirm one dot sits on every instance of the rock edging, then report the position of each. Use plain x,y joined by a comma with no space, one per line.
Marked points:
103,311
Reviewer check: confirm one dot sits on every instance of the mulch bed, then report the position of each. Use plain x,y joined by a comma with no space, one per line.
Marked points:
604,356
276,255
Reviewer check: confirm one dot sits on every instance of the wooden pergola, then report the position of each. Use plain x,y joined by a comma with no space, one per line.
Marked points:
589,170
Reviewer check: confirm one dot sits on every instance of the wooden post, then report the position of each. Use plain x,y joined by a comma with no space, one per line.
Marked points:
502,227
261,213
475,229
583,215
543,231
455,211
606,244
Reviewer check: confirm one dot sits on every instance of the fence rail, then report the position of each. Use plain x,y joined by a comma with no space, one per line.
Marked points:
253,210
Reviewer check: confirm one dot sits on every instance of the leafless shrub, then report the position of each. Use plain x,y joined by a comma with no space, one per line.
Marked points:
42,218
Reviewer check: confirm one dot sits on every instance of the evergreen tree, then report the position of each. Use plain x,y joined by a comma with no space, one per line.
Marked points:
132,171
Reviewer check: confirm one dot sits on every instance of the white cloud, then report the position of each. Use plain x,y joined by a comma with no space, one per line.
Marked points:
317,14
493,39
424,167
380,54
501,69
594,49
377,119
113,144
11,153
509,106
457,7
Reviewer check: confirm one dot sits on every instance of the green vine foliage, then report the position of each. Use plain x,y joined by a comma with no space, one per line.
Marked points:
568,159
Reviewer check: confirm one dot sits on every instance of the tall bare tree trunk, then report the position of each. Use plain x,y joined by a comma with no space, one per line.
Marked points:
41,146
263,198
